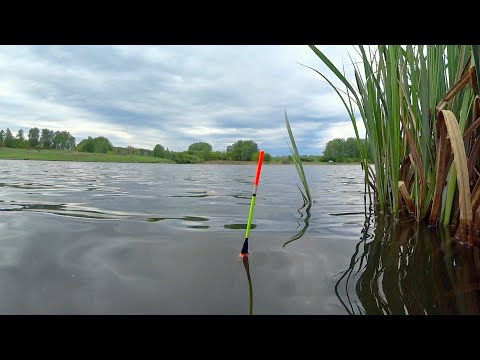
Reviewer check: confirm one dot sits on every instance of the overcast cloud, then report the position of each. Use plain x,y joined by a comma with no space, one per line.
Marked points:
174,95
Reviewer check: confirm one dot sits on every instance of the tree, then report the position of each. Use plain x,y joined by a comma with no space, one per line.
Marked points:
46,139
102,145
129,150
20,138
99,145
159,151
307,158
183,157
342,150
71,143
145,152
201,149
86,145
168,154
9,139
217,155
33,137
2,138
335,150
200,146
351,148
242,150
63,140
57,140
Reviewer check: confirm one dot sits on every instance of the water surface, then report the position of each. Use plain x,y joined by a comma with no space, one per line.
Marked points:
105,238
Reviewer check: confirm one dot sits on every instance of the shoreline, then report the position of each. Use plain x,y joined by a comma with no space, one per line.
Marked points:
75,156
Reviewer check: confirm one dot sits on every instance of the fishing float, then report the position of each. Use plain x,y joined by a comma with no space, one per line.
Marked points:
244,251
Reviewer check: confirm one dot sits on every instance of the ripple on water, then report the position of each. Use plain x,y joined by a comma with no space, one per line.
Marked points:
143,238
185,218
70,210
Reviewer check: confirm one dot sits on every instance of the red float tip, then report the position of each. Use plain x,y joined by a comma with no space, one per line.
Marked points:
259,166
243,255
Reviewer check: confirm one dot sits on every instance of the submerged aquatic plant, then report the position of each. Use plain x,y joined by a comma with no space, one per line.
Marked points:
421,109
307,197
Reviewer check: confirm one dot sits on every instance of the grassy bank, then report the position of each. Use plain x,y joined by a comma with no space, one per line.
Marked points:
61,155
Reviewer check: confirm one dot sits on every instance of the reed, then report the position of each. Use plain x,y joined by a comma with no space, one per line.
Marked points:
421,112
307,197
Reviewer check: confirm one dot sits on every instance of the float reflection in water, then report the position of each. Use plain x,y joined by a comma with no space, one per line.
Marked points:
250,288
406,268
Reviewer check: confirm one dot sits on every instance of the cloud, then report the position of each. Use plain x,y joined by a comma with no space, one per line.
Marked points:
173,95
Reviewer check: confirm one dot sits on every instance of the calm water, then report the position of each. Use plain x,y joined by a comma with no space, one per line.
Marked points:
102,238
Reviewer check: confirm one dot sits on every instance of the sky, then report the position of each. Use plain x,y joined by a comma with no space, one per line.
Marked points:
176,95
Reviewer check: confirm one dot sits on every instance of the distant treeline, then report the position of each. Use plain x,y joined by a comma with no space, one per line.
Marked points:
62,140
341,150
242,150
337,150
198,152
46,139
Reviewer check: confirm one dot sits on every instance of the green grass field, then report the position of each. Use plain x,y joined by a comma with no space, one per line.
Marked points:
61,155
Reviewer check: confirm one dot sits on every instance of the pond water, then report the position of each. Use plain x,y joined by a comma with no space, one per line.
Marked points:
105,238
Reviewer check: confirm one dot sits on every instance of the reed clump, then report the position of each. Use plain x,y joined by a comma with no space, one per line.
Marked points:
421,109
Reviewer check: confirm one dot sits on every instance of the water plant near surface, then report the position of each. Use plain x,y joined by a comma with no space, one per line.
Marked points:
421,109
307,197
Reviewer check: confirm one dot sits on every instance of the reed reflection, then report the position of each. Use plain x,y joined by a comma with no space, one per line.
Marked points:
407,268
307,207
